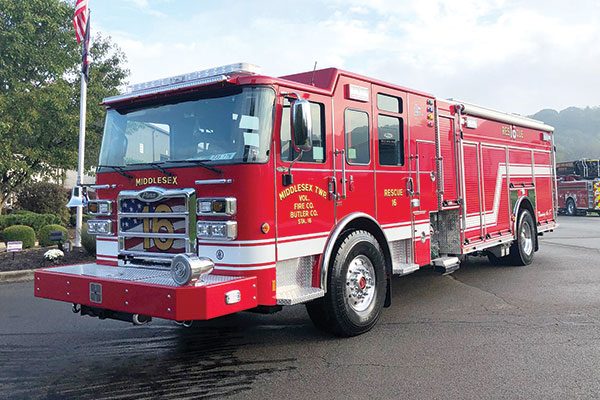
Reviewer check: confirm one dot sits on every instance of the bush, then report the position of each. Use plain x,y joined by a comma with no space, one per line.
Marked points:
88,241
44,234
31,219
44,198
21,233
73,219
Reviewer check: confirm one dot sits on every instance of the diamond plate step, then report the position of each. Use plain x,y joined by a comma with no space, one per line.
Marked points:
134,274
287,296
446,265
404,268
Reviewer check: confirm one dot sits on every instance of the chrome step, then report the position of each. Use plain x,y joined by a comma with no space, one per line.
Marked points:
404,268
288,296
446,265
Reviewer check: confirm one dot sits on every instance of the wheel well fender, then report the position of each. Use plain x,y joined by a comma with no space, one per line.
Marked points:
356,221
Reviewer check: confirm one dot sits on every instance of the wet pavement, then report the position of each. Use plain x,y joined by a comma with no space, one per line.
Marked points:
482,332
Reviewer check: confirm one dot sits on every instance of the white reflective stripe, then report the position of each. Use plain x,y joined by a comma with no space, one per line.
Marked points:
305,236
242,242
113,261
239,255
398,233
405,232
107,248
223,268
490,217
300,248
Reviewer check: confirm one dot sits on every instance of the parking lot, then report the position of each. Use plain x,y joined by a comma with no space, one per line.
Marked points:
482,332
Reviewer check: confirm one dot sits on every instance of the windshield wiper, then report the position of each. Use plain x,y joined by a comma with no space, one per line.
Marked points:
118,169
201,163
156,165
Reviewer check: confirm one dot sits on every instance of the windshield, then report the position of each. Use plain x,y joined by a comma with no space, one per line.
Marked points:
220,127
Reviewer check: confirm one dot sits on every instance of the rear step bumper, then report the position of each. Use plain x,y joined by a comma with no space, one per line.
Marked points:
145,291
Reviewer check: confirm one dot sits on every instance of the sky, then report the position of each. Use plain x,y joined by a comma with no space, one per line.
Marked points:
513,55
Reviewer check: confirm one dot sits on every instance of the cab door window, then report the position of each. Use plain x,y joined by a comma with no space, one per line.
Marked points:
390,130
356,125
317,153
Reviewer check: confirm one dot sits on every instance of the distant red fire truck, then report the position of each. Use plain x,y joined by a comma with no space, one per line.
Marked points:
225,190
578,187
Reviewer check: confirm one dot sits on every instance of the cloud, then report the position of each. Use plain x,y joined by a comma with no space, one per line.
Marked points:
518,56
144,5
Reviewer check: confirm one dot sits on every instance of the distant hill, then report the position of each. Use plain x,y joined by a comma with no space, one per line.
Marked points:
577,131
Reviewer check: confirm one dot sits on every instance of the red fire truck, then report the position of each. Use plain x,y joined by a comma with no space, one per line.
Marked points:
578,187
225,190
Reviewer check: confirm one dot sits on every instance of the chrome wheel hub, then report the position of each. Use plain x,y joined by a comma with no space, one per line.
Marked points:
526,238
360,283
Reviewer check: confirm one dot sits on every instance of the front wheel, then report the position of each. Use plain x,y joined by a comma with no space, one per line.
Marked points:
523,248
355,287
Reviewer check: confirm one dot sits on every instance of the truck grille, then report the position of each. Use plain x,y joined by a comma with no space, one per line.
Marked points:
157,223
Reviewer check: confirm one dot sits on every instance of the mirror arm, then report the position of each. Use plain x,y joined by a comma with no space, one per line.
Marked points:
288,178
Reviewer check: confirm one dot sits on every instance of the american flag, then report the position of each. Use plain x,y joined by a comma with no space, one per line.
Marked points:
81,23
80,19
136,224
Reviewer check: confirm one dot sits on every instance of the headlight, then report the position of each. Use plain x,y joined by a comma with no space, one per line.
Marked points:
99,227
99,207
220,206
217,230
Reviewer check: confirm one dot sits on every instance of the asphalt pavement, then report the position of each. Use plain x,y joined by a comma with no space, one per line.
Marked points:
483,332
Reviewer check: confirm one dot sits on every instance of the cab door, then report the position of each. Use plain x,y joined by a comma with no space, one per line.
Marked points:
423,185
304,207
393,175
353,149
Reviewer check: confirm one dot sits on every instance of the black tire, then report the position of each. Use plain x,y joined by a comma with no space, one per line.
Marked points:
358,266
523,248
571,208
495,260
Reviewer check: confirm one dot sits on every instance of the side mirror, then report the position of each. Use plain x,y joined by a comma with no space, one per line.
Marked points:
301,125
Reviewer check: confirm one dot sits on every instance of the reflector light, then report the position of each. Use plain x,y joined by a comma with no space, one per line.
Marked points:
198,78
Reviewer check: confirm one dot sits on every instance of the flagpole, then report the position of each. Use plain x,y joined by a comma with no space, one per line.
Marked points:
82,122
81,153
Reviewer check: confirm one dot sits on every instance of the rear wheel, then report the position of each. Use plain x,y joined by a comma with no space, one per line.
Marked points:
355,287
571,208
523,248
495,260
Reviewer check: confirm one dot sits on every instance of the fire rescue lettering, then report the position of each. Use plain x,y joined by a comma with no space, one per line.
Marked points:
393,193
302,187
156,180
303,210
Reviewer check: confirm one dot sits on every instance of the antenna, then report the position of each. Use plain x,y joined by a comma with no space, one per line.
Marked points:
312,79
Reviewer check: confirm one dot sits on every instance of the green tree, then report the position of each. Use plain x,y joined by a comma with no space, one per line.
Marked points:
577,132
39,91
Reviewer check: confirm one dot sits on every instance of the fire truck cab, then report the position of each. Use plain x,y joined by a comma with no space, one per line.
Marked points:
578,187
226,190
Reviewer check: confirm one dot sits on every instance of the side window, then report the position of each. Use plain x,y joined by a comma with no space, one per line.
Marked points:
317,154
356,125
390,130
390,137
389,103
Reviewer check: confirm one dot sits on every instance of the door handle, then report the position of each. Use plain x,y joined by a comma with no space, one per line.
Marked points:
410,187
343,180
332,188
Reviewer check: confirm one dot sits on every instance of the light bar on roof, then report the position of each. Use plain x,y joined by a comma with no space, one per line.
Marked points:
198,78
